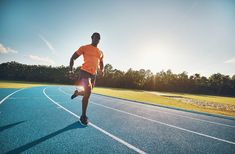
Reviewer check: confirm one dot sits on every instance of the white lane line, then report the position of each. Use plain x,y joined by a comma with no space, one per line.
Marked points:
197,119
156,121
157,110
10,95
169,125
96,127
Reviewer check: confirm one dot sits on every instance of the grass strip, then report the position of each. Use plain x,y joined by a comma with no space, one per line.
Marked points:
143,96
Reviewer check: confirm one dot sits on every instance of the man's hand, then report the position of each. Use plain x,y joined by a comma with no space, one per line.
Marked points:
71,72
71,75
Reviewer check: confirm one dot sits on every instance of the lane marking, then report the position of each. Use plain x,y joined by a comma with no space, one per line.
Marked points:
173,126
169,125
96,127
10,95
157,110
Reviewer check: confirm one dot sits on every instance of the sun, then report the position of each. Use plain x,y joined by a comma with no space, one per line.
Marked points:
156,54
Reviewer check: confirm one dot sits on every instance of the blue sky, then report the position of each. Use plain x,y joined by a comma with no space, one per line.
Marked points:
196,36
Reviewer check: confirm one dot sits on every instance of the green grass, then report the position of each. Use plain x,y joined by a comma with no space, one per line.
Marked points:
208,98
216,99
145,96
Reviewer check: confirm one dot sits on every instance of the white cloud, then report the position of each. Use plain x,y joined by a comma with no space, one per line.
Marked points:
232,60
4,50
47,43
44,60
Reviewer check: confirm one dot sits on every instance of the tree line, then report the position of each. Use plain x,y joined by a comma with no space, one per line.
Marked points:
216,84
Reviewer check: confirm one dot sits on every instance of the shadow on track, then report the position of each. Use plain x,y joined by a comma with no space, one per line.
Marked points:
27,146
2,128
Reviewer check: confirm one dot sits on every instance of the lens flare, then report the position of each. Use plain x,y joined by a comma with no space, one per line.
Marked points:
81,88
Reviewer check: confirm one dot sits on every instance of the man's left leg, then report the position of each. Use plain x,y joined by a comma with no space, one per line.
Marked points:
85,100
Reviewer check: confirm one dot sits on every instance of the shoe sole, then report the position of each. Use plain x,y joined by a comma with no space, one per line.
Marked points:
84,123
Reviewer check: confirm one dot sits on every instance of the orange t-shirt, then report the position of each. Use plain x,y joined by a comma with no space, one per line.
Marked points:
92,57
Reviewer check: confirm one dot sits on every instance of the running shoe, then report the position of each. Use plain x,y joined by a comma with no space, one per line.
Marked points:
84,120
75,94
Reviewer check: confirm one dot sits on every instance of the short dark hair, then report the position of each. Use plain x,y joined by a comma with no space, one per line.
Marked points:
98,34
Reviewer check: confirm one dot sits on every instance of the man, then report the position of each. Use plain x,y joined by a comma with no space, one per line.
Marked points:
93,59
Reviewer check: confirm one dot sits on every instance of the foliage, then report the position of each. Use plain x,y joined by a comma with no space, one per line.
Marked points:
218,84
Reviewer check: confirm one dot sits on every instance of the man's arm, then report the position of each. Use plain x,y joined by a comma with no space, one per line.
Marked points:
102,67
74,57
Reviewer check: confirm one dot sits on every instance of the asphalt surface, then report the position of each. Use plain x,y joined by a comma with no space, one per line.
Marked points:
46,120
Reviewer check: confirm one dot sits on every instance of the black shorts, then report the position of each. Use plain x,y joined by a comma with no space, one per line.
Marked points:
86,79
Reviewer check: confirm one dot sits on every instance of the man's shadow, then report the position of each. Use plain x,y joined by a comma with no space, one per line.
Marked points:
27,146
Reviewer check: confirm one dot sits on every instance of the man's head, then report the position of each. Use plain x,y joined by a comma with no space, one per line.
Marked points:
95,37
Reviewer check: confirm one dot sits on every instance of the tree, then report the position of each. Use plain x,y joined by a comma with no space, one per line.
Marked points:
136,79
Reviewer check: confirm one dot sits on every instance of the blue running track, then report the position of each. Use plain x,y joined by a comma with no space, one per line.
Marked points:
46,120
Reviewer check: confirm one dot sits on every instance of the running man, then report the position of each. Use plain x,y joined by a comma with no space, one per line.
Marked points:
93,60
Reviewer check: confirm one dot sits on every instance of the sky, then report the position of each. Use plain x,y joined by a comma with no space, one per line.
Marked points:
196,36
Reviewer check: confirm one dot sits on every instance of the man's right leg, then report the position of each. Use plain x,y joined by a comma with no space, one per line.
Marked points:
78,82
